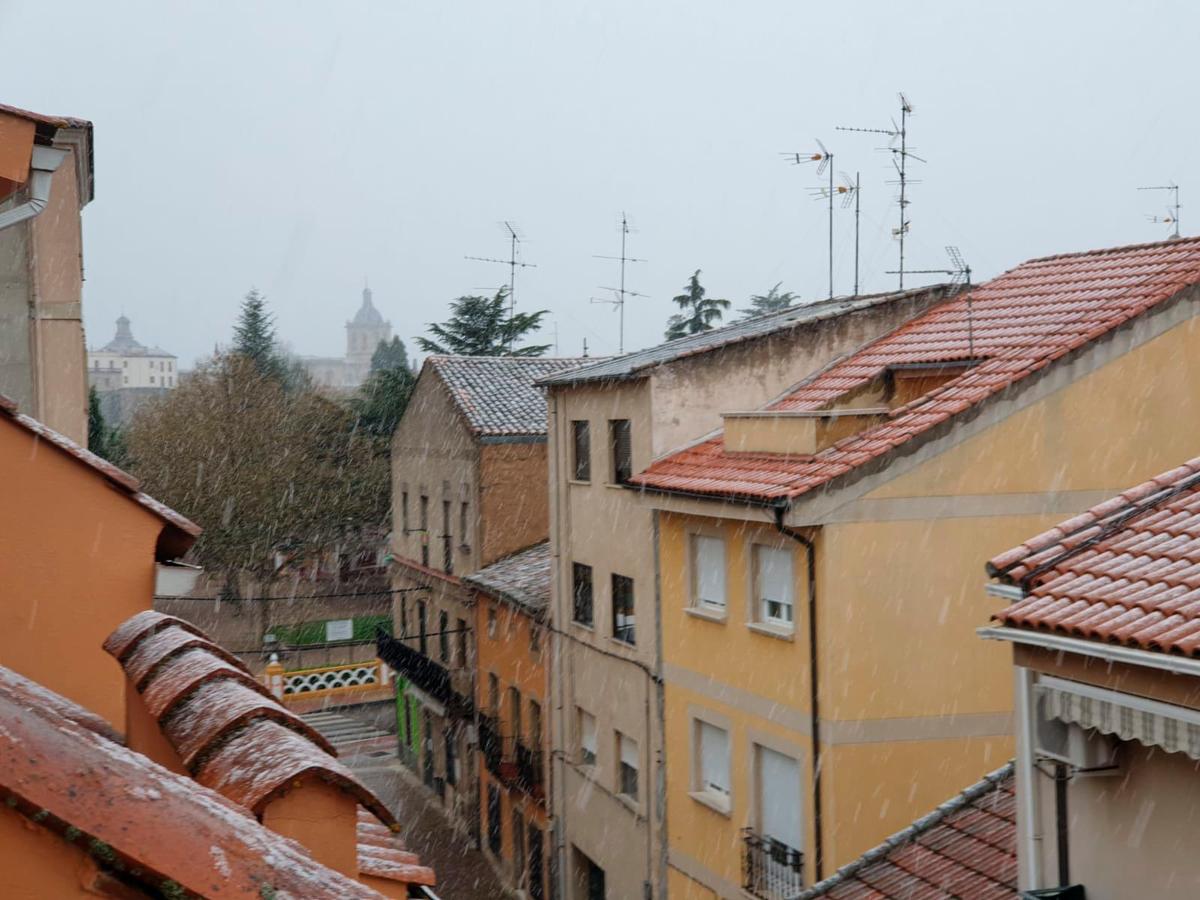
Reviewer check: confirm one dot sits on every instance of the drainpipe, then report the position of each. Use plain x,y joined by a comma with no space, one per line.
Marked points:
814,693
41,170
1029,828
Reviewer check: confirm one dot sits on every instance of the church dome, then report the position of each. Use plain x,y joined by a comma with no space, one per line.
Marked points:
367,316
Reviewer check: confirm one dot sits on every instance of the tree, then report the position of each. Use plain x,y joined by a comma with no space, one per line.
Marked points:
772,301
700,313
258,466
482,326
383,397
389,356
105,440
254,336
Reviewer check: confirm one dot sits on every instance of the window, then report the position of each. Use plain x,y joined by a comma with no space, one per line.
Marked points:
493,694
421,614
712,771
518,848
404,511
622,609
447,540
403,616
582,612
451,741
514,713
582,450
461,627
493,819
620,443
773,584
779,797
708,572
492,622
152,379
627,769
424,525
587,738
534,741
535,640
444,637
464,510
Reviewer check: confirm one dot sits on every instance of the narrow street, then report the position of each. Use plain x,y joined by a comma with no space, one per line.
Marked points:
463,873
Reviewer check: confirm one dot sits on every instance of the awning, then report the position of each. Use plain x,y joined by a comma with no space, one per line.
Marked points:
1175,729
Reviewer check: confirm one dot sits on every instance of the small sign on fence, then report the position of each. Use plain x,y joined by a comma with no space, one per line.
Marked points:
339,629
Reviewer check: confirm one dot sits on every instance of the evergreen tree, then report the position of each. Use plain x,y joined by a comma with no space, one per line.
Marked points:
382,400
482,326
772,301
254,336
389,356
107,442
700,313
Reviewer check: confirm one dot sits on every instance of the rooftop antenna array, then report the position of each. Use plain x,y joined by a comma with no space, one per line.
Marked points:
513,264
960,274
620,293
848,189
824,159
900,157
1172,216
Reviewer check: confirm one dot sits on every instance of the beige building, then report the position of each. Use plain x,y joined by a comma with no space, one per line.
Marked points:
1103,622
469,486
126,373
607,422
45,181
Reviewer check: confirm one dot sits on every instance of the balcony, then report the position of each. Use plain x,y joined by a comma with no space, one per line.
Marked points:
491,745
770,869
530,770
424,674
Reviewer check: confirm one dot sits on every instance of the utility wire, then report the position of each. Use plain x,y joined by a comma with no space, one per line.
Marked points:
388,591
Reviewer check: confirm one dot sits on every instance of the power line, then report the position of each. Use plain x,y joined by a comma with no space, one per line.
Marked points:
388,591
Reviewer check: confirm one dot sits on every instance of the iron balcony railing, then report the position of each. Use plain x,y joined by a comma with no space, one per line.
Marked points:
423,673
529,770
770,868
491,745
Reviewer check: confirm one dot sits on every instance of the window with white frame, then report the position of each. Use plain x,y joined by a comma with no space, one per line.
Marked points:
627,768
586,723
774,585
779,797
708,572
712,763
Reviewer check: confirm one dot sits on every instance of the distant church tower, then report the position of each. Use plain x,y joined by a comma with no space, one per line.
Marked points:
363,335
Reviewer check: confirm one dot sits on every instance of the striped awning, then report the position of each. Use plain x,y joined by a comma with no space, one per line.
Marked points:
1175,729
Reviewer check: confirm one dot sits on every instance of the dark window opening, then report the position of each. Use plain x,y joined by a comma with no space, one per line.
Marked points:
444,637
451,757
621,446
421,627
447,540
581,432
424,530
622,609
493,822
461,627
582,594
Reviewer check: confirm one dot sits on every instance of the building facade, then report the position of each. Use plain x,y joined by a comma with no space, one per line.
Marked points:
512,601
127,373
46,179
469,486
607,422
831,535
364,333
1102,623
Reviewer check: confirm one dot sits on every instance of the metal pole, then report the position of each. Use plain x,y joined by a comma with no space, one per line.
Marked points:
830,161
903,162
857,199
621,305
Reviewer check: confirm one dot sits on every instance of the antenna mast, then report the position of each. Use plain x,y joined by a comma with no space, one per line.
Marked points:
1172,216
961,275
900,157
513,264
621,292
822,158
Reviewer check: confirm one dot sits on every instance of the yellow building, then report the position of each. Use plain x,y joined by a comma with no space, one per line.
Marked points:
819,559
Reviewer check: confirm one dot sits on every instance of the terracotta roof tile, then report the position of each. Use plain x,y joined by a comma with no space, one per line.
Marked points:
394,868
126,635
33,697
967,847
64,775
264,760
175,680
155,649
1020,322
497,394
1126,571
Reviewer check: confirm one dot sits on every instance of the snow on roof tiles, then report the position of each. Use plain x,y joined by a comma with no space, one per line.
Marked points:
1126,571
497,394
522,578
1014,325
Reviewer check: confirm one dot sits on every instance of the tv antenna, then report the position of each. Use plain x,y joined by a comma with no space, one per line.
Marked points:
960,274
513,264
620,293
848,190
1172,216
823,158
900,158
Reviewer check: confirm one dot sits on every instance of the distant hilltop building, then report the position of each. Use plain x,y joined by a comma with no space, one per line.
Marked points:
363,334
125,373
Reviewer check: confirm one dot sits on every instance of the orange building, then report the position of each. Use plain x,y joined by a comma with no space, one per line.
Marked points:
512,598
137,758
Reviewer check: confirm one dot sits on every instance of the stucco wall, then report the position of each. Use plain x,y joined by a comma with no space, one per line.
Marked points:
514,501
76,560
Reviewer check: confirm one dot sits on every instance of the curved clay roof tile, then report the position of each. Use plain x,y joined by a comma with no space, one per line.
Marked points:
176,679
157,648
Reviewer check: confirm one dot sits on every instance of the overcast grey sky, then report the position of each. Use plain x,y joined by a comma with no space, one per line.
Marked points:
300,146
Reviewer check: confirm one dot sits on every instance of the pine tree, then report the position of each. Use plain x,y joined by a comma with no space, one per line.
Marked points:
482,326
772,301
254,336
700,313
97,429
391,355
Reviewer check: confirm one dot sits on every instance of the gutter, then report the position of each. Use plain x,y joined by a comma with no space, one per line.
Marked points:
814,685
42,166
1113,653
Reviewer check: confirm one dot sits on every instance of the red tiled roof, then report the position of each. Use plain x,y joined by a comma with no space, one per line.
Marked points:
162,828
967,847
231,733
1126,571
1020,322
185,531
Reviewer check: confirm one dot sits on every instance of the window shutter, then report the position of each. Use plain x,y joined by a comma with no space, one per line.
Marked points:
708,556
779,783
714,758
